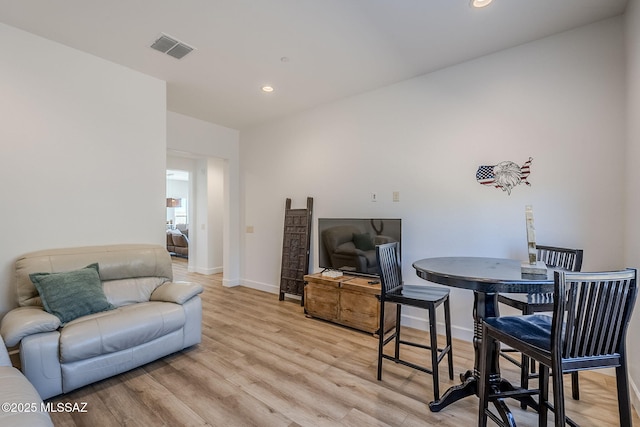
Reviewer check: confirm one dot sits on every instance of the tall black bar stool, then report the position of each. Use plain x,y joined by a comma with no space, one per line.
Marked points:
588,329
426,297
567,259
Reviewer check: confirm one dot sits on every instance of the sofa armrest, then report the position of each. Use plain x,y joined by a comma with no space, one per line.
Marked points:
4,354
22,403
23,321
178,292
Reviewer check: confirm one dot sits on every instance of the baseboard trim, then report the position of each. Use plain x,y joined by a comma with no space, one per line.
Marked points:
205,271
265,287
227,283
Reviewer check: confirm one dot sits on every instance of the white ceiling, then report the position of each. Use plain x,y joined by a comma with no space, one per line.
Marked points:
335,48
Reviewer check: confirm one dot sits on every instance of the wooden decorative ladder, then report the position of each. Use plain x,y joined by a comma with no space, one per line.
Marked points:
295,249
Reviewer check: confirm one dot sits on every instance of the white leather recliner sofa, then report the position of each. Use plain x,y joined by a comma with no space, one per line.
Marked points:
152,317
21,405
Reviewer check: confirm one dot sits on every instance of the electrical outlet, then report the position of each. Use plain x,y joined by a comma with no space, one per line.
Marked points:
396,196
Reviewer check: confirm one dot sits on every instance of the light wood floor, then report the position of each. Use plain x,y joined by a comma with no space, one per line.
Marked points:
263,363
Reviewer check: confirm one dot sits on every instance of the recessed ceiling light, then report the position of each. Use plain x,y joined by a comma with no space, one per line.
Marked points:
267,89
480,3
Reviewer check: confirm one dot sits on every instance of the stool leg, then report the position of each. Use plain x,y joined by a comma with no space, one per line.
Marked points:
381,332
622,384
524,376
398,318
433,335
575,388
526,364
543,407
558,394
483,380
447,327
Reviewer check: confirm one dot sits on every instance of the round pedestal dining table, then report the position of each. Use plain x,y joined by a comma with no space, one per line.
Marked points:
486,277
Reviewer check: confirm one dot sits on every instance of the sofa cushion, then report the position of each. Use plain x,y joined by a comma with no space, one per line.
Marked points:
123,328
129,291
71,294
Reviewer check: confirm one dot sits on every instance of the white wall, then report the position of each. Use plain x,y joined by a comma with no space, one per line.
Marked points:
206,246
215,213
632,259
217,147
559,100
83,152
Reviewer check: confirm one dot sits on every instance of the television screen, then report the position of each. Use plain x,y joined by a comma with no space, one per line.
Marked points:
348,244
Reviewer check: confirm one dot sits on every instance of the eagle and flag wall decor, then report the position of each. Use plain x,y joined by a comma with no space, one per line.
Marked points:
504,175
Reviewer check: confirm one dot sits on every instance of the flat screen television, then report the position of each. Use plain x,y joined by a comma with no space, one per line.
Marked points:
348,244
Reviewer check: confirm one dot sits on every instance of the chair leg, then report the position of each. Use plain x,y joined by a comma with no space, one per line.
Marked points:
558,395
543,402
483,381
525,363
447,327
575,387
398,318
433,336
381,332
622,384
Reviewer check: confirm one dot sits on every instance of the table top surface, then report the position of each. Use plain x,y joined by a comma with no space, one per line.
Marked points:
488,275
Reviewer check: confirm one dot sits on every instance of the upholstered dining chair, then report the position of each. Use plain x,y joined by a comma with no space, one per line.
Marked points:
393,290
591,313
564,258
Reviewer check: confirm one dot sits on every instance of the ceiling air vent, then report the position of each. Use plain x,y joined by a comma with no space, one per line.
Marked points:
171,46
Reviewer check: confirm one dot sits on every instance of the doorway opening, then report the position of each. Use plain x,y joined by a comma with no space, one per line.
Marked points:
195,194
178,202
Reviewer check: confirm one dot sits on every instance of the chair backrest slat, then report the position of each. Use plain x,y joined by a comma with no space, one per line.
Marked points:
568,259
623,297
599,316
389,267
579,301
592,311
598,340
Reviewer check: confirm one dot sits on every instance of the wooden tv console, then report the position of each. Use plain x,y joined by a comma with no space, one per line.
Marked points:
346,300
